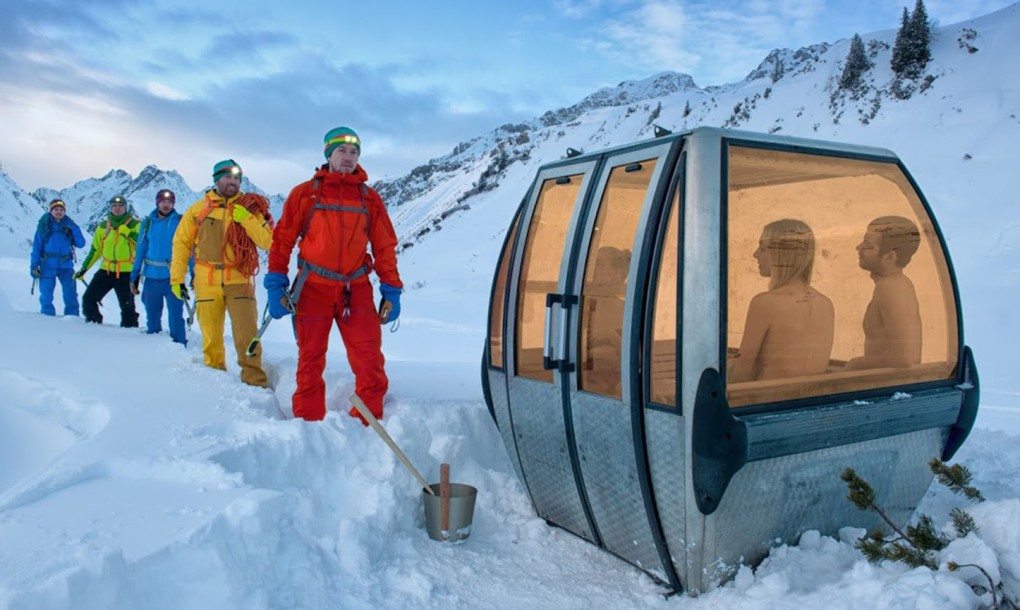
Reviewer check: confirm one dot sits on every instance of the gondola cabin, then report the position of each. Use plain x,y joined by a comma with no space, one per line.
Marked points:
692,337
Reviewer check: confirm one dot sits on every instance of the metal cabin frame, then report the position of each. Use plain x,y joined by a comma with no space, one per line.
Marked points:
688,492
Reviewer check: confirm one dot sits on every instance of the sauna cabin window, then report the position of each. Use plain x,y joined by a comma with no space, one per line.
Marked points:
662,366
606,276
540,270
498,296
835,279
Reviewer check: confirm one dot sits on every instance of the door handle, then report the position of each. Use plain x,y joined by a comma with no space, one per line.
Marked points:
555,350
548,357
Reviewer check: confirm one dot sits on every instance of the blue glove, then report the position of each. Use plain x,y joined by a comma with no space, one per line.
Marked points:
391,294
276,290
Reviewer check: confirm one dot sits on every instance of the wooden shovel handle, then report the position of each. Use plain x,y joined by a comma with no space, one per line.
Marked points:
372,421
444,497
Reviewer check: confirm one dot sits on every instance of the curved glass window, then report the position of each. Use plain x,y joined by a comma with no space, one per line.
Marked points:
664,326
498,296
540,271
606,277
836,280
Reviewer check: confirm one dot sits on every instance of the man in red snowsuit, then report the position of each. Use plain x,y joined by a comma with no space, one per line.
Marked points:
332,219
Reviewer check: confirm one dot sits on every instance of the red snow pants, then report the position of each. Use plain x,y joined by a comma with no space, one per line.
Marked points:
319,307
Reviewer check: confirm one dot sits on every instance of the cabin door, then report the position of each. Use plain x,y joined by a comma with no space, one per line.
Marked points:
536,321
603,402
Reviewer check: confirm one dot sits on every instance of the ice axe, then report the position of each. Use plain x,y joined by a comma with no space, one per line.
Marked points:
191,312
254,343
372,421
84,281
266,319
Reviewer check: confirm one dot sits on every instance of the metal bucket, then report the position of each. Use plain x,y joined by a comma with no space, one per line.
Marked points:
462,510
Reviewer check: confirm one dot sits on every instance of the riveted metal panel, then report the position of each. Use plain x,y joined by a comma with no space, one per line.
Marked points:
606,451
772,502
501,408
664,441
537,413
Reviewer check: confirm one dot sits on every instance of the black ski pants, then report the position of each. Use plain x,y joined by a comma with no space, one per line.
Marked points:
102,282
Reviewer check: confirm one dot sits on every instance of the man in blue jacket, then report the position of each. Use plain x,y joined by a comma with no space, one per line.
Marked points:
152,261
56,237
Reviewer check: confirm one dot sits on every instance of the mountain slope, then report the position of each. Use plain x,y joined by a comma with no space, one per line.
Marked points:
964,94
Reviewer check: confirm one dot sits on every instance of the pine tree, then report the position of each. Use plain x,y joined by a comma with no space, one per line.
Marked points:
900,58
912,49
857,64
920,34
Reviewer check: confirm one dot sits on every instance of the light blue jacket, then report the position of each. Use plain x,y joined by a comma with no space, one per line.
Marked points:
155,244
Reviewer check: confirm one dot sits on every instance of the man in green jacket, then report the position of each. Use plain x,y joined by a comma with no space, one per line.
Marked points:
114,244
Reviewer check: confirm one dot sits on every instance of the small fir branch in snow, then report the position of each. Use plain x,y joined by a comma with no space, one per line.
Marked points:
919,545
963,523
924,536
1006,603
957,478
863,497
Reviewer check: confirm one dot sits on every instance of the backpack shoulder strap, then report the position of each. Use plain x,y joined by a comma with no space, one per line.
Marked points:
209,207
368,210
202,215
316,185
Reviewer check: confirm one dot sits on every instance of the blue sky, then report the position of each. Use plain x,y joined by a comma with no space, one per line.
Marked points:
86,87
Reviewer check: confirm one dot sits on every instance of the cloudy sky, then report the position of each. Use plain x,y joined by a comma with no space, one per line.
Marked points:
89,87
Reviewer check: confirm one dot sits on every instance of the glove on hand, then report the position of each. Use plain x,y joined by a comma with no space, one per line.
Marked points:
276,291
134,287
36,272
391,294
180,291
240,213
80,275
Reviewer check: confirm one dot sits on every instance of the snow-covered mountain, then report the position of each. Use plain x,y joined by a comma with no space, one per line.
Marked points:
87,201
20,212
792,92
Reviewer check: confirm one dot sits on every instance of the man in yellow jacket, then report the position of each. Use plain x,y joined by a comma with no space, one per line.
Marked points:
114,244
223,233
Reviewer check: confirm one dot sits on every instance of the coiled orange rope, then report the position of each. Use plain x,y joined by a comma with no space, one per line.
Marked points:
246,256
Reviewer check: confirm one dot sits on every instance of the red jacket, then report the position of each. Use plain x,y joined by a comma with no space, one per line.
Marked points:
337,240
